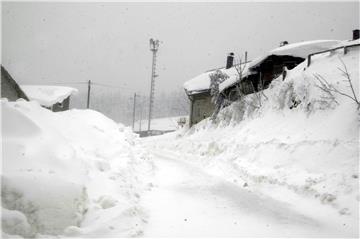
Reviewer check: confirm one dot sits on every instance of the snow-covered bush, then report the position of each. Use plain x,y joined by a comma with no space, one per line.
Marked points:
215,79
319,87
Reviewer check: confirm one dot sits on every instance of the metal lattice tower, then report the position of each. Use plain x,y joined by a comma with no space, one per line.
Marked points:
154,46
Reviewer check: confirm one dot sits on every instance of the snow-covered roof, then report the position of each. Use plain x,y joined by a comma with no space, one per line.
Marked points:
299,49
347,43
198,83
48,95
202,82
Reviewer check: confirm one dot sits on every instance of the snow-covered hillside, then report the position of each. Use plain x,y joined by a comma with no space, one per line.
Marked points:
72,173
295,143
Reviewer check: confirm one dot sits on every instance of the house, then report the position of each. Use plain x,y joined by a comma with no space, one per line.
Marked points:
55,98
259,73
256,75
198,91
9,88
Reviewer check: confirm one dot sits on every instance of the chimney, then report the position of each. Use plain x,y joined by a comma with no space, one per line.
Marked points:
230,60
355,34
283,43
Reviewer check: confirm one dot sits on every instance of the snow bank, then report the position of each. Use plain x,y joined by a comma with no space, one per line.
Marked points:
48,95
63,171
295,142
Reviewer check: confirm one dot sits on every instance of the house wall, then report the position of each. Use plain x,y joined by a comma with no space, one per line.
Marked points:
201,107
61,106
9,88
267,71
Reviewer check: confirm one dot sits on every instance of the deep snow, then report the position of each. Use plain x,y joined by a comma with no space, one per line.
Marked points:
292,150
282,163
72,173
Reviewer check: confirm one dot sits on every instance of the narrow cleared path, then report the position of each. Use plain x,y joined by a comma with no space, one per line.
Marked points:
187,202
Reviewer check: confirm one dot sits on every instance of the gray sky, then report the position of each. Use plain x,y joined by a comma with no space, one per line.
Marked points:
45,43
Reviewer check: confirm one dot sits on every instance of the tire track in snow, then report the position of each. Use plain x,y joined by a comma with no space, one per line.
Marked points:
186,201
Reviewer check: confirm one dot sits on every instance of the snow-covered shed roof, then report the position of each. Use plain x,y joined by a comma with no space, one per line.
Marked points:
48,95
299,49
201,82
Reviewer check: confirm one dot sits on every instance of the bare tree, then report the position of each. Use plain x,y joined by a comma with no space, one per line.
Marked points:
330,89
258,94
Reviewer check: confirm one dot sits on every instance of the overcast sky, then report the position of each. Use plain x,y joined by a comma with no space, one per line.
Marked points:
45,43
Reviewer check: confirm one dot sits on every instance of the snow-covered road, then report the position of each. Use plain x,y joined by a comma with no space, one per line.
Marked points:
186,201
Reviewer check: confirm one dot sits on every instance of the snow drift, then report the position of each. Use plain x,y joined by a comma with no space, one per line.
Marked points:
61,171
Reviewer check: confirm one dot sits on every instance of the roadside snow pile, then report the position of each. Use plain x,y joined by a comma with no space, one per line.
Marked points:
298,137
61,172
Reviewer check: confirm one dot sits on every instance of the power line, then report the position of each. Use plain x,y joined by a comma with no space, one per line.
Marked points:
86,82
60,83
111,86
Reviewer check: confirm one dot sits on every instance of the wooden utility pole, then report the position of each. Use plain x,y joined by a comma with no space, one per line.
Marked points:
134,110
88,95
141,109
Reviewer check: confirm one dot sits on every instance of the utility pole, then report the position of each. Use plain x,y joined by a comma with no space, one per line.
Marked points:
88,95
154,46
134,107
141,109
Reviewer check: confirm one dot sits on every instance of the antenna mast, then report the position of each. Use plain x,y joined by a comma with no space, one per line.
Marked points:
154,46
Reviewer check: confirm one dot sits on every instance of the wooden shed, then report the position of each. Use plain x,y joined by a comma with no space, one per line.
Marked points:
54,98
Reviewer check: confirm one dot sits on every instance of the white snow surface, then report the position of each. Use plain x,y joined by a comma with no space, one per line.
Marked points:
266,171
299,49
74,173
48,95
347,43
